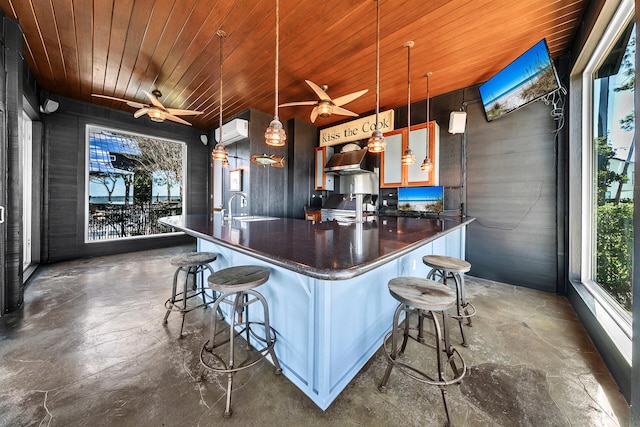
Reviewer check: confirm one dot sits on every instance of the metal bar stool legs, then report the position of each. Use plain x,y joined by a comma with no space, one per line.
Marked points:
235,285
427,300
444,268
191,264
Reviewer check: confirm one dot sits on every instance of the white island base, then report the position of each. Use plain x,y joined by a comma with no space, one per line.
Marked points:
327,330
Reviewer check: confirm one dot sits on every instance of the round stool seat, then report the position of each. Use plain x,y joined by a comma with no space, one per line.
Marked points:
238,279
423,294
193,259
447,263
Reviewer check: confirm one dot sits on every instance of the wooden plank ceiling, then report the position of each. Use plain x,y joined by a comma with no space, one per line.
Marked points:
122,47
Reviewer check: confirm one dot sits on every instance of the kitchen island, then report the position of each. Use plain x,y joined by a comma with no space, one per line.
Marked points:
327,294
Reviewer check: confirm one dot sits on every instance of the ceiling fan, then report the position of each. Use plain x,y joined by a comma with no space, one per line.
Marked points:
326,106
156,111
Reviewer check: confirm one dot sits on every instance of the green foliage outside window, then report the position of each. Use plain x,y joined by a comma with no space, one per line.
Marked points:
614,214
615,251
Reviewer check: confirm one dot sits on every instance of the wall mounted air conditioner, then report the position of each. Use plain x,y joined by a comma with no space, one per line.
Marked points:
233,131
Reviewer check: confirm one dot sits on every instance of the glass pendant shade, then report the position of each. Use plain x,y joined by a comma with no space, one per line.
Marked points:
376,143
225,164
275,135
219,152
426,165
408,158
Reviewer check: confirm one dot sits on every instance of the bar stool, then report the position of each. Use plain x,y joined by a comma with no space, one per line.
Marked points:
427,299
235,285
191,263
443,268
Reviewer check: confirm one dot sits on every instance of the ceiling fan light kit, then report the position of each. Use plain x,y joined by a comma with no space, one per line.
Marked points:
156,111
377,143
275,134
326,106
324,109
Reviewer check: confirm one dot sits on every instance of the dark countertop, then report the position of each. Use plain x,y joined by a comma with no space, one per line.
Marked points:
325,250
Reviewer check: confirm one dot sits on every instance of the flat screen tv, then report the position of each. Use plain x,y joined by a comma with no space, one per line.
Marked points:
421,199
528,78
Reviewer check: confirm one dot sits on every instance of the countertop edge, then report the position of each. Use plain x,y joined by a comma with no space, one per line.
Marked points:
322,274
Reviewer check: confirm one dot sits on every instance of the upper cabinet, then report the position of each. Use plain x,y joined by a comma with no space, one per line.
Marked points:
323,181
393,173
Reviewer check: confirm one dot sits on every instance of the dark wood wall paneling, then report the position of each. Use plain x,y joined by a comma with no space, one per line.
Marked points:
281,192
65,177
510,186
301,170
4,148
268,185
12,112
511,190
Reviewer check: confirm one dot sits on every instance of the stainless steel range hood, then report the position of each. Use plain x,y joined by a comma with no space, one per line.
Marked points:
348,163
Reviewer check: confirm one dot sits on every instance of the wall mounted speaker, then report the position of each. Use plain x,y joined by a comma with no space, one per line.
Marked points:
457,122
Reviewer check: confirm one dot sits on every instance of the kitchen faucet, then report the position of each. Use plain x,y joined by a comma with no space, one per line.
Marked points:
237,193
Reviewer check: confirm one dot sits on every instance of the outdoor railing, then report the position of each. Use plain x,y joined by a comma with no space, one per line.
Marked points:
111,221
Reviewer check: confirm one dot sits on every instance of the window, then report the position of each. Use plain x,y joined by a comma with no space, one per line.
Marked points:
26,159
613,163
132,180
601,162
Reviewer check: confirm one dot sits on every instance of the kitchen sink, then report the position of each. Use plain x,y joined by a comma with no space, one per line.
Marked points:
254,218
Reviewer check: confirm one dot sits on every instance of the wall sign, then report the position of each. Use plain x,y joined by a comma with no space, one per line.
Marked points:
356,129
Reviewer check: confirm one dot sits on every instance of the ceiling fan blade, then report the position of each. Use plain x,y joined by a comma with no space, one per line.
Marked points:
176,119
318,90
343,112
177,112
348,98
314,114
292,104
154,100
133,104
141,112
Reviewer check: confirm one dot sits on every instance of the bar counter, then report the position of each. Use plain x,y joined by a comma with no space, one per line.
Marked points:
326,250
327,292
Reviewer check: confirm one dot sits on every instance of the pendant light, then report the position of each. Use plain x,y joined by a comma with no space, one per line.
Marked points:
408,158
376,143
275,135
426,165
220,152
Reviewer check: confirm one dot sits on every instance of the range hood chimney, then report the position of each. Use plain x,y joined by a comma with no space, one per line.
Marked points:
348,163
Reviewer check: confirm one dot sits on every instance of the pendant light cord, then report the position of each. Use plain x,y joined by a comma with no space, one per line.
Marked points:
408,91
277,53
377,62
220,34
427,129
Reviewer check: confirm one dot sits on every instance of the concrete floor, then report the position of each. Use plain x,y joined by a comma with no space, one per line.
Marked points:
89,349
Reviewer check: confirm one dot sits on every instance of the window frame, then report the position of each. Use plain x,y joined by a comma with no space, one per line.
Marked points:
616,323
86,207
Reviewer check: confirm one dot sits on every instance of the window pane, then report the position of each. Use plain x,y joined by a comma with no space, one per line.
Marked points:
614,158
133,181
